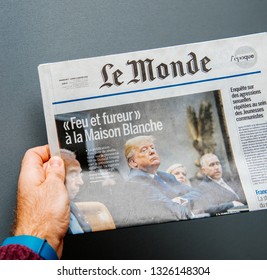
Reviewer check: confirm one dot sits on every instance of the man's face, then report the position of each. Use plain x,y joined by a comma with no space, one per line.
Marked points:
73,179
212,168
145,158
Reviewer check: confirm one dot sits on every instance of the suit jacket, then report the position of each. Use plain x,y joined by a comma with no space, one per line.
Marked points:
143,203
217,198
168,185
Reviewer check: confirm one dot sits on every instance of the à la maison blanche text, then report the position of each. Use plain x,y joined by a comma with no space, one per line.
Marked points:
93,130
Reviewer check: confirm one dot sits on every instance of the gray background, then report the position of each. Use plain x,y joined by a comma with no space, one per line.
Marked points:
35,32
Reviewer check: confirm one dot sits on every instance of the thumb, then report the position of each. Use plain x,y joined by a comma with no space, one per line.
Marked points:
56,168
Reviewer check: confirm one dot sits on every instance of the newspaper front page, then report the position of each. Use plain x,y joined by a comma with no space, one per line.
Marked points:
161,135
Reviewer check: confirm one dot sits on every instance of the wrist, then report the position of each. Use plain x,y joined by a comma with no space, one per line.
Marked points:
38,245
38,233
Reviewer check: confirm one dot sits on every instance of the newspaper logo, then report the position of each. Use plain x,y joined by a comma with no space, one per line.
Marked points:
245,57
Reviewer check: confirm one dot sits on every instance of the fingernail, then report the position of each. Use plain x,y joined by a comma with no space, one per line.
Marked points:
55,161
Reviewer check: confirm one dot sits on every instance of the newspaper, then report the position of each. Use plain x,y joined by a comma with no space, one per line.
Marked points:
160,135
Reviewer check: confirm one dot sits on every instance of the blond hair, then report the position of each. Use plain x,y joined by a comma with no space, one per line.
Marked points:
174,166
132,144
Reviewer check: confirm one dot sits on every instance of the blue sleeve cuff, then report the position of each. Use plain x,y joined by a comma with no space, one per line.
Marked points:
36,244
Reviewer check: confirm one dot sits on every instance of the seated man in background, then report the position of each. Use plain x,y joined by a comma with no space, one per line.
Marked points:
84,216
144,162
219,195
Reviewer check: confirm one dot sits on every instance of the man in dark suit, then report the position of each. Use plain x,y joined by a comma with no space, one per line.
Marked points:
73,182
155,193
219,195
85,216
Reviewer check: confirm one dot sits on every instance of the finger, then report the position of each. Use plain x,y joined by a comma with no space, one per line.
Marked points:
37,156
32,172
55,168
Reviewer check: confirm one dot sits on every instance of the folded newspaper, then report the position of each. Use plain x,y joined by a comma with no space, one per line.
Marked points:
161,135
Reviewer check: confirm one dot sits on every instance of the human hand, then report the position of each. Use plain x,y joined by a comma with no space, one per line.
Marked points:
237,203
43,208
180,200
